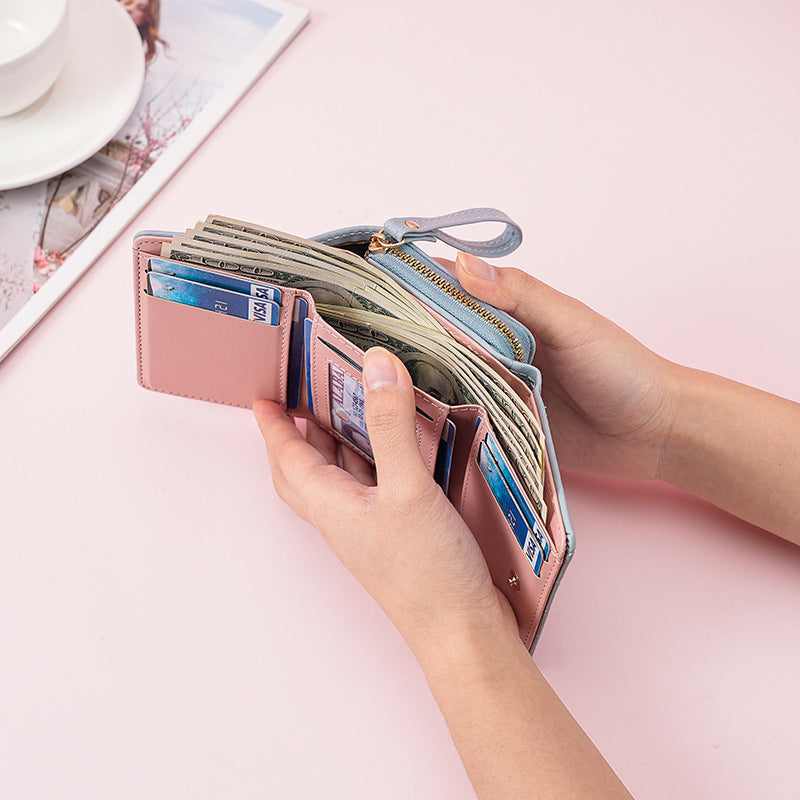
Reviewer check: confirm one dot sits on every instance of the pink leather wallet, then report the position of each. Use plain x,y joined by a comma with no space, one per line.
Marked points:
310,363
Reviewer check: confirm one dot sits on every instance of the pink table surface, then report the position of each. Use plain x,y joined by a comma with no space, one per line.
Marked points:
170,629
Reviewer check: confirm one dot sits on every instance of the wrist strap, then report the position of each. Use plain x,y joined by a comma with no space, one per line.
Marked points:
409,229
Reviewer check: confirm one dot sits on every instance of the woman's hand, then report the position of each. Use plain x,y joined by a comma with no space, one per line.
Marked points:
610,401
405,543
398,537
617,409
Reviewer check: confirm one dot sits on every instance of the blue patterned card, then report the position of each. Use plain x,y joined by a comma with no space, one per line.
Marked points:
222,301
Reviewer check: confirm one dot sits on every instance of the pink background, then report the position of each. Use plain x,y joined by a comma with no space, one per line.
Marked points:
170,629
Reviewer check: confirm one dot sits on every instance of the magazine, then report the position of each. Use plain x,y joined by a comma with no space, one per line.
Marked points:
200,58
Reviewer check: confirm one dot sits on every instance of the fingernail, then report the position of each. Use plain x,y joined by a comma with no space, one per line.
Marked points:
378,369
476,266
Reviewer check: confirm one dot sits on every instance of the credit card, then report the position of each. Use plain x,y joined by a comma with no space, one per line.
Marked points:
348,412
444,455
211,298
535,525
210,278
511,511
296,337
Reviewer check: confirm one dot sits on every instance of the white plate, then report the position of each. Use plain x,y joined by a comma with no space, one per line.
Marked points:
93,96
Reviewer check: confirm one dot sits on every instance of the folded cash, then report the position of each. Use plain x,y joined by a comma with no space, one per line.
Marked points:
369,307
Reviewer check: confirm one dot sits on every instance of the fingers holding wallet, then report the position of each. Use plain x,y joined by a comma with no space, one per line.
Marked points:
304,475
556,318
391,415
609,398
395,536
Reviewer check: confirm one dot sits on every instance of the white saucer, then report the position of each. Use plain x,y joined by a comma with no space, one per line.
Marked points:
93,96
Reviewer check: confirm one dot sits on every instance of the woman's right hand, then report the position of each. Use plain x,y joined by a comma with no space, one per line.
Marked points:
610,401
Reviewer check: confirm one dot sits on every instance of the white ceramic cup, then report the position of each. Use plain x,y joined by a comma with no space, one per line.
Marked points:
34,37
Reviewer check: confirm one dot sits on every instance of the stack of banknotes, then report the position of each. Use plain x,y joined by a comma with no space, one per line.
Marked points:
369,308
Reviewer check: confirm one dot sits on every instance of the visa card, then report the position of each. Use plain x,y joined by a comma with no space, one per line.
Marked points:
211,298
511,511
209,277
536,527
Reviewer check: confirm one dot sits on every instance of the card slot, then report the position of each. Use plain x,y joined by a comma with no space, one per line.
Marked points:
509,567
296,358
193,352
465,418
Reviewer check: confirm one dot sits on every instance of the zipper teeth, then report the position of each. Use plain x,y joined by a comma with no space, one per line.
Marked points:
472,304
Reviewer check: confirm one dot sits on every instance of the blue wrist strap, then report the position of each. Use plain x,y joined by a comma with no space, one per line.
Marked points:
410,229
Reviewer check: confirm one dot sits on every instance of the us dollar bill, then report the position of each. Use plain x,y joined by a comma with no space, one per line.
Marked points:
307,252
323,286
480,375
431,359
326,283
260,233
428,373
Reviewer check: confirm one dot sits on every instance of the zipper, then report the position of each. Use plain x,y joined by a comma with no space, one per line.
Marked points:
380,244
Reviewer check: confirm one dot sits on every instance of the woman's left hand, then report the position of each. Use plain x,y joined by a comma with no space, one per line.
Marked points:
399,535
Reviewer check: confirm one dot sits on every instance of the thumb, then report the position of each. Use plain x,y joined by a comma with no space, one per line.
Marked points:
545,311
391,419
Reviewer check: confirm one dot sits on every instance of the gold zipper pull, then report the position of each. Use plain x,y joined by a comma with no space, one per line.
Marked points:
378,243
